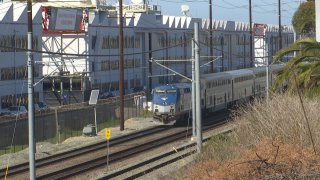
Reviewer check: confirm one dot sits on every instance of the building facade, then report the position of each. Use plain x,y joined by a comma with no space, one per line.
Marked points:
80,47
13,57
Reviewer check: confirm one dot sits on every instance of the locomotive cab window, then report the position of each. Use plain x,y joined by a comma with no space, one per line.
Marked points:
171,91
160,91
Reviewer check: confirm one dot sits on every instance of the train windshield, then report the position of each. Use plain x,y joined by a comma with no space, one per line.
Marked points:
160,91
165,96
171,91
163,91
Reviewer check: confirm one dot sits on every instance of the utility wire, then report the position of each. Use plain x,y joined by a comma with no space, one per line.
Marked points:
101,55
93,55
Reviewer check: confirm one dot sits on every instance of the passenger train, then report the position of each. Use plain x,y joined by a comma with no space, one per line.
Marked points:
172,102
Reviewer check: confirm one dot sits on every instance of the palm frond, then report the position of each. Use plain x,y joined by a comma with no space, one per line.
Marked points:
283,52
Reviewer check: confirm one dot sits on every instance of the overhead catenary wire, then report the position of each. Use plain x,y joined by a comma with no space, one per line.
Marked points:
106,55
169,60
117,55
110,70
92,55
227,4
235,55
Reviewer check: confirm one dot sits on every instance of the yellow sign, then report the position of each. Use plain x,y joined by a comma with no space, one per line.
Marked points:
108,133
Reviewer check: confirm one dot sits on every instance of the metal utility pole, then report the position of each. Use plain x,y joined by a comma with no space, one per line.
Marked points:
210,29
222,49
15,69
193,93
121,67
317,9
150,64
267,76
197,82
280,28
30,96
251,41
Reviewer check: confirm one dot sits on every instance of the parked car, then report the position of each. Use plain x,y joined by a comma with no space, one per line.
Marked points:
42,106
105,95
16,111
4,112
37,106
138,89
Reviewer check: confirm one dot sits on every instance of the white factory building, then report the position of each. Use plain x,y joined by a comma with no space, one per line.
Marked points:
13,58
80,47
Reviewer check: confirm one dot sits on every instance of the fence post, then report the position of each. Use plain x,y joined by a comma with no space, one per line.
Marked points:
57,124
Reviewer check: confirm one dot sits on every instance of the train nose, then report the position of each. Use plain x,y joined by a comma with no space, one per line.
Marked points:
163,109
164,98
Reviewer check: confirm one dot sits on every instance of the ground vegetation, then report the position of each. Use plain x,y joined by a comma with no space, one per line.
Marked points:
303,19
302,71
272,141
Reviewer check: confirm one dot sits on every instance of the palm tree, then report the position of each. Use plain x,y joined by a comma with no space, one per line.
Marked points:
303,70
304,18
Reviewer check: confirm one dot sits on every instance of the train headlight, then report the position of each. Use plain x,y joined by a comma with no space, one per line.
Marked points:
156,110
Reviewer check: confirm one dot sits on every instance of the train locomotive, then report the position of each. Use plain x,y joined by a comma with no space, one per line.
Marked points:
172,102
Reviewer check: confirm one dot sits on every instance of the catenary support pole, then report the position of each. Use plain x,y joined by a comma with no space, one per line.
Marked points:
267,76
210,29
250,29
95,119
193,93
317,9
280,28
197,82
32,148
121,67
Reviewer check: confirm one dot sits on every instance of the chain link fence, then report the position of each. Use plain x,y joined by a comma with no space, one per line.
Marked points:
58,124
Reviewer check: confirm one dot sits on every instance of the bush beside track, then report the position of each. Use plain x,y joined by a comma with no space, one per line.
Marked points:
271,141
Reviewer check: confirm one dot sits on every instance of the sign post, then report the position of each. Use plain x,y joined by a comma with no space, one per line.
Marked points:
93,101
108,136
95,119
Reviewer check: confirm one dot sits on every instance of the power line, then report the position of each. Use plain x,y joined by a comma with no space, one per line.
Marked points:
93,55
107,55
235,55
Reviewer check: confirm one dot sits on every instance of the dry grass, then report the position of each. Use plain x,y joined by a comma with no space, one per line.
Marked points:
280,119
271,142
266,160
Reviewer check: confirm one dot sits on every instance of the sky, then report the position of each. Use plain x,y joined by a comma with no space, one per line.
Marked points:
263,11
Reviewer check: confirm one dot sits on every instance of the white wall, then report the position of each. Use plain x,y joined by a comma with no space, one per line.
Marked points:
13,25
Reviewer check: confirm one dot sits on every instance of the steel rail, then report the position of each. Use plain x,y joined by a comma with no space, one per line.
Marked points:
24,167
97,162
156,162
102,160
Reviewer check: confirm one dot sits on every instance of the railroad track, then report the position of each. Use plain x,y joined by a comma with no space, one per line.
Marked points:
24,167
151,164
101,161
149,138
154,163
